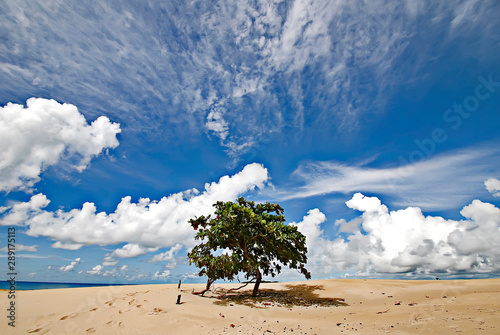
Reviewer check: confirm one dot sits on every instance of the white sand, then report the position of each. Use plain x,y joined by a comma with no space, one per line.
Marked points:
374,307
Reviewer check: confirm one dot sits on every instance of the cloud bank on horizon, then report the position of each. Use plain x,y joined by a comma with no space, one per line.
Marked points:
405,241
379,241
144,226
375,125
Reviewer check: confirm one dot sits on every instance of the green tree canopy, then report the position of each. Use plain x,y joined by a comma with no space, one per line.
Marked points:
256,238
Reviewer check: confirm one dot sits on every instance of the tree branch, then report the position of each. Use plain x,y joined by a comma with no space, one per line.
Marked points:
209,283
237,288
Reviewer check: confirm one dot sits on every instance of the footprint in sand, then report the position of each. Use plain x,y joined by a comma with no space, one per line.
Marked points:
131,302
34,331
93,309
156,310
64,317
91,330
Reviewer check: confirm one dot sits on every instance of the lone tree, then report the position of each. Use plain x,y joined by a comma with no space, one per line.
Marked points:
255,238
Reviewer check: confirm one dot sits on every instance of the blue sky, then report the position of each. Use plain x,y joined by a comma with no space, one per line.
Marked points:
375,125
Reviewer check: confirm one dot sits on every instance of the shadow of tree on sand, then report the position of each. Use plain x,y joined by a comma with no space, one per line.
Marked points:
293,295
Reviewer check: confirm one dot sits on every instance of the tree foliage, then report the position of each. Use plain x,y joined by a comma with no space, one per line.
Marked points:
255,239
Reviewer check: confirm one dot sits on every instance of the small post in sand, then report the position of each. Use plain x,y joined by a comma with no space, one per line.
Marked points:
179,286
178,300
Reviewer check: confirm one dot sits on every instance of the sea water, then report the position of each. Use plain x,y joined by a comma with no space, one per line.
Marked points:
23,285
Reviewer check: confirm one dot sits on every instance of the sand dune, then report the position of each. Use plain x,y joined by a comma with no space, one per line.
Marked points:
369,307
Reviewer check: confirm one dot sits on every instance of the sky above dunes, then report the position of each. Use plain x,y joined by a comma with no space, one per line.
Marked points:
375,125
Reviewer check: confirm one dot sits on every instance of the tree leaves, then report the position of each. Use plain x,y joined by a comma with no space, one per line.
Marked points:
256,237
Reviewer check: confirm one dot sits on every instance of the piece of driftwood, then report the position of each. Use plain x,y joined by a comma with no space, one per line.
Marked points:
387,310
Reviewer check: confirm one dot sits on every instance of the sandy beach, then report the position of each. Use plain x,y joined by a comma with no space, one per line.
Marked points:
360,306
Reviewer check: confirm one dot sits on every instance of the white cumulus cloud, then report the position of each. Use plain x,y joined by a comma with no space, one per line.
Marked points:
108,260
131,251
45,133
167,256
406,240
71,266
20,212
144,226
493,186
95,270
161,275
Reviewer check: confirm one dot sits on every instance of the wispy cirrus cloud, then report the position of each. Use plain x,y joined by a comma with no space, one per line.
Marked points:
22,247
160,69
440,182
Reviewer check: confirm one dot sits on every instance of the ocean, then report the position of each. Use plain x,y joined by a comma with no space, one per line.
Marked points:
24,285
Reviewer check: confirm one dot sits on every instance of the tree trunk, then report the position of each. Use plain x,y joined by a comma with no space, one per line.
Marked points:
257,283
209,283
